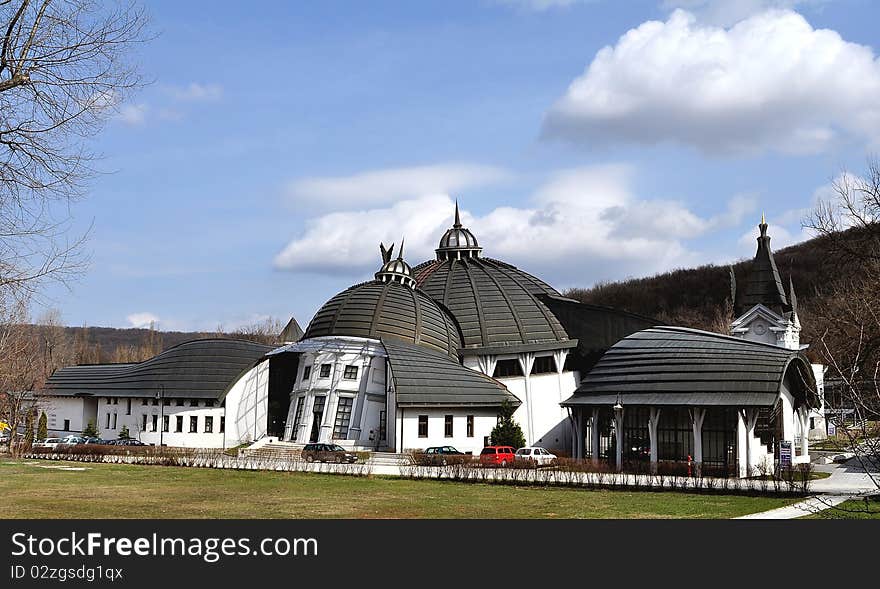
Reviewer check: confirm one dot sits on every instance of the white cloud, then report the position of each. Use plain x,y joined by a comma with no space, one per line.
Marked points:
142,320
196,92
133,114
728,12
771,82
382,186
582,224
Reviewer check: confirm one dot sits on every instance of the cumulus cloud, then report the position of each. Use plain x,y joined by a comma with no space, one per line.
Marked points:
770,82
133,114
142,320
728,12
582,224
196,92
382,186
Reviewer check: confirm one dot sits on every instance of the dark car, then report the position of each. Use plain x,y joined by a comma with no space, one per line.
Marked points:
443,455
126,442
327,453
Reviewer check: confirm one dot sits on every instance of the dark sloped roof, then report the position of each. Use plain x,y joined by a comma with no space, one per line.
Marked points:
423,377
494,303
374,309
201,369
678,366
762,284
292,332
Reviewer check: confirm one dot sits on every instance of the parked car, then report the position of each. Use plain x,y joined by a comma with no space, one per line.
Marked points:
497,456
128,442
72,440
327,453
48,443
94,440
443,455
537,455
639,449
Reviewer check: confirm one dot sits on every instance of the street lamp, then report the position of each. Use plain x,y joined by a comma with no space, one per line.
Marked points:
618,406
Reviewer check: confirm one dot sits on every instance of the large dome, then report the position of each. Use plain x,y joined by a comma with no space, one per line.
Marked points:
494,303
374,309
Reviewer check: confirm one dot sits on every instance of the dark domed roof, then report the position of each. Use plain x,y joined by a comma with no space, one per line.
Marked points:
458,241
375,309
494,303
395,270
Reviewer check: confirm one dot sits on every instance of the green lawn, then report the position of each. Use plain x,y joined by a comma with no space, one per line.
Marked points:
853,509
41,489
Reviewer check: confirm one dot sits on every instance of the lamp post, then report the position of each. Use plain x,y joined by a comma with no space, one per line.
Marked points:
618,431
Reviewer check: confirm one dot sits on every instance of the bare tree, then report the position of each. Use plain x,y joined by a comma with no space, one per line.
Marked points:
64,68
849,222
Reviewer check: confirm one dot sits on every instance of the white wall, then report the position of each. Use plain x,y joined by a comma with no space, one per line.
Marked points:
247,406
78,410
118,407
485,420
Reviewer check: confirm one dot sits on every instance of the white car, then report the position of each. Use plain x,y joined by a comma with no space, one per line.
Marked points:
536,454
50,443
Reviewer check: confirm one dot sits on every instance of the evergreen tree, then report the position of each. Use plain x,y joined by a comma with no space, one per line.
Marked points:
123,433
43,427
29,430
507,432
91,430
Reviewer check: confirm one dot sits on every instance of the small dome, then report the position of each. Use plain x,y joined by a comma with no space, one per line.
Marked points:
458,242
396,270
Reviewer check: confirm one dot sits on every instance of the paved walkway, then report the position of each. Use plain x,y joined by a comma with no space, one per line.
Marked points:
808,507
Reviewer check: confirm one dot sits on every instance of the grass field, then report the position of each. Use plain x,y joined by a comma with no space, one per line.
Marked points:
42,489
853,509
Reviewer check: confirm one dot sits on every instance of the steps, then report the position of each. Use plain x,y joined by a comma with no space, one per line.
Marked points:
279,451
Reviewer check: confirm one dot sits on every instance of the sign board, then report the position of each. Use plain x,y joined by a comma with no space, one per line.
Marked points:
832,429
785,454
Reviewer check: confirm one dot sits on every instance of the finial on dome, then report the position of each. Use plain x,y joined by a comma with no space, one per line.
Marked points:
400,253
458,242
457,224
387,253
395,270
763,226
763,222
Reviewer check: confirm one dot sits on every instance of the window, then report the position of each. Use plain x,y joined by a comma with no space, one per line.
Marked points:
179,403
325,370
544,365
67,425
178,424
116,400
165,421
343,418
507,368
166,402
351,373
297,416
307,372
193,424
144,422
470,426
156,401
108,422
155,424
193,402
423,426
210,403
114,420
222,424
128,406
812,423
209,424
144,401
447,426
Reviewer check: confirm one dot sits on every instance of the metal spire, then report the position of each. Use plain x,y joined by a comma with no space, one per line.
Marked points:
457,224
400,252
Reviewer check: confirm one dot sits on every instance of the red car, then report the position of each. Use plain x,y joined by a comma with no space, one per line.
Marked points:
497,456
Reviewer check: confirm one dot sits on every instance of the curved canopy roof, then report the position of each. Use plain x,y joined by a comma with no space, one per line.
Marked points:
201,369
375,309
495,304
423,377
680,366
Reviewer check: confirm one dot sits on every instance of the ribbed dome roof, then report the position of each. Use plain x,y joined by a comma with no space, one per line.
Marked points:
375,309
494,303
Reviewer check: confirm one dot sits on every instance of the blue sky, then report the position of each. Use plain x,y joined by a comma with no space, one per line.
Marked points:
279,142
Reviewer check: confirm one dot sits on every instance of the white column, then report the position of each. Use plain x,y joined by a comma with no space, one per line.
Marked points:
487,364
361,400
747,420
804,414
653,421
618,433
594,434
580,433
698,414
526,361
